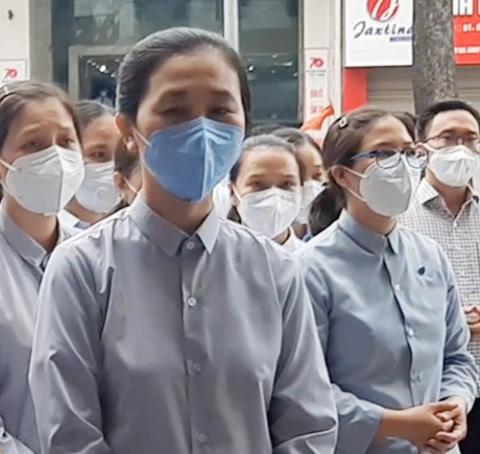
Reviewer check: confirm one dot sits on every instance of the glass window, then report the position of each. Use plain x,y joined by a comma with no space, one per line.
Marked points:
269,41
121,23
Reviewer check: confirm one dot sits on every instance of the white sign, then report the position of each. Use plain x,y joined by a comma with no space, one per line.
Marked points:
13,71
316,92
378,32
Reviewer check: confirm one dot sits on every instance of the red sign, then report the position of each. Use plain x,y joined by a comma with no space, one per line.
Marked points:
467,36
316,62
383,10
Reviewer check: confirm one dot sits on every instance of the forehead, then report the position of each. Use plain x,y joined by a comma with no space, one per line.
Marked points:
268,160
103,126
386,131
45,113
453,120
204,68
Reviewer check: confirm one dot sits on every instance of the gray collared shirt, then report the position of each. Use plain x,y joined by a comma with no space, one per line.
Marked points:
391,325
152,341
459,237
22,265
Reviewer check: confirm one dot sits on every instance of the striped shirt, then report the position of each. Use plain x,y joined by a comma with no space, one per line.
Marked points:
460,238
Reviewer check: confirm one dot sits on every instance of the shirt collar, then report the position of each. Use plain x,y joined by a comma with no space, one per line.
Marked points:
367,239
70,220
25,246
166,236
427,193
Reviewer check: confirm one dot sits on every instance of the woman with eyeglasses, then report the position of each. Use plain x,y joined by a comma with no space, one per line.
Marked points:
385,300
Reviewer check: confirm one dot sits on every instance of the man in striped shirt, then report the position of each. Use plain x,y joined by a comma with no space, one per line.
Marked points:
447,210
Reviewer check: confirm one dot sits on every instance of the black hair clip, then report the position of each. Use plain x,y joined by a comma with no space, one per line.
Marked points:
343,122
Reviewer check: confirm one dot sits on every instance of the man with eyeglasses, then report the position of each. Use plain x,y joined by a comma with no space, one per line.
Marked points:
447,209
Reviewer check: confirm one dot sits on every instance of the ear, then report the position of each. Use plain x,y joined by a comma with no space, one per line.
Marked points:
233,197
125,126
340,176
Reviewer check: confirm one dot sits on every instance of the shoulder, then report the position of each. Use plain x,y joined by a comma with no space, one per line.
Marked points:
423,246
257,254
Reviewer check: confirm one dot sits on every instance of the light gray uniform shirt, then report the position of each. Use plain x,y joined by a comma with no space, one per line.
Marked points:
391,324
150,341
22,265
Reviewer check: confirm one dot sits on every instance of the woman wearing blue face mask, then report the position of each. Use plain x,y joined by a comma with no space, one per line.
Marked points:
165,328
41,168
386,302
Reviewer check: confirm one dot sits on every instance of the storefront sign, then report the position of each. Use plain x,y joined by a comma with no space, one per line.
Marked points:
316,82
13,70
379,32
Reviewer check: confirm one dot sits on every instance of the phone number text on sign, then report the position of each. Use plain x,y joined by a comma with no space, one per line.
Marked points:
13,70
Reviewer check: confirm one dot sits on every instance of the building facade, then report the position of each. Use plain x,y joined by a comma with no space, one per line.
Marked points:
287,45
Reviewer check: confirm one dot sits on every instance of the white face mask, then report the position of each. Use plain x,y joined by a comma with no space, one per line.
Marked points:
98,192
44,182
311,189
269,212
388,192
454,166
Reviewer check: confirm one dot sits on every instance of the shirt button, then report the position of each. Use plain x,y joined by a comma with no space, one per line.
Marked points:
201,438
415,377
410,332
192,302
193,368
190,245
397,287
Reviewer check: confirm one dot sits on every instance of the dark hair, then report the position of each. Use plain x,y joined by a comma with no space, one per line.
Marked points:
427,116
15,96
324,211
296,137
255,143
148,55
89,111
126,160
409,121
266,128
344,140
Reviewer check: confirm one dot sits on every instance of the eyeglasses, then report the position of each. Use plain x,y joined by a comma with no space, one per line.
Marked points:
416,158
447,140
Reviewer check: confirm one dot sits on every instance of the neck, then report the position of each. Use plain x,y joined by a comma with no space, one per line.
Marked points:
187,216
43,229
370,220
454,197
89,217
283,237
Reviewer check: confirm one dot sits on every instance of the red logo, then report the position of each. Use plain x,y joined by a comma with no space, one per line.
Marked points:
316,63
383,10
10,73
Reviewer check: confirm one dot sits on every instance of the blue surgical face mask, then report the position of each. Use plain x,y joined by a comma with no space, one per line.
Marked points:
190,159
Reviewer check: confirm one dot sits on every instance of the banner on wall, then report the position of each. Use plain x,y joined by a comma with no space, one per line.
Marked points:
316,91
13,71
316,82
379,32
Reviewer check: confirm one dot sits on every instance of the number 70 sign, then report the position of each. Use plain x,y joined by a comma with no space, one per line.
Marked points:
13,70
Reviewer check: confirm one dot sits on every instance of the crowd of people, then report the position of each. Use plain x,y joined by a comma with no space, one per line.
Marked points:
177,281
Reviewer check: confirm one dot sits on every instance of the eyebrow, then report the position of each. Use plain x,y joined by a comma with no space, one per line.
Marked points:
37,128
